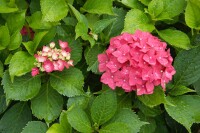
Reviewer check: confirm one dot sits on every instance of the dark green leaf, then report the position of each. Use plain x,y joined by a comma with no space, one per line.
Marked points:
80,101
98,6
3,105
35,127
20,64
22,88
47,104
179,38
197,86
136,19
100,25
68,82
187,66
53,10
185,109
76,50
104,107
117,127
1,69
91,58
79,120
15,118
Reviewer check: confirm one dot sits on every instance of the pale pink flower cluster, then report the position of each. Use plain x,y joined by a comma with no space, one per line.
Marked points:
136,62
52,59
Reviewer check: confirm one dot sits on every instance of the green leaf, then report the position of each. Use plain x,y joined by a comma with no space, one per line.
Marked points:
187,66
3,105
165,9
22,88
180,90
192,12
63,127
136,19
82,31
128,117
48,37
68,82
117,26
15,21
15,41
76,50
35,127
117,127
34,6
104,107
98,6
20,64
80,101
1,69
145,2
4,8
91,58
132,4
4,37
100,25
79,120
185,110
53,10
197,86
154,99
179,38
15,118
36,22
124,101
47,104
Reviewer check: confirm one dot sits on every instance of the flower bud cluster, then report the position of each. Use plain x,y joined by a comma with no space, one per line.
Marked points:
52,59
136,62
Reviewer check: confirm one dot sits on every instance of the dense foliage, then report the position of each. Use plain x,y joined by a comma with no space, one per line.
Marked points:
37,97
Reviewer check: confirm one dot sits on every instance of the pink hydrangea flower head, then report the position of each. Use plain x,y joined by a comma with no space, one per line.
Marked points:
52,59
35,71
136,62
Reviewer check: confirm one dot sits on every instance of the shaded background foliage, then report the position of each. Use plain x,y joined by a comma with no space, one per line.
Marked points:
74,100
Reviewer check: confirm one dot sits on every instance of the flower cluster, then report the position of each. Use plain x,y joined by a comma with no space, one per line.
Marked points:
52,59
136,62
27,30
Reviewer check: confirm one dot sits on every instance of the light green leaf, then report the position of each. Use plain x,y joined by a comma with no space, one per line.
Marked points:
104,107
35,127
185,110
4,37
179,38
79,120
165,9
80,101
47,104
91,58
98,6
100,25
15,40
15,21
4,8
20,64
63,127
180,90
15,118
82,31
136,19
117,127
68,82
76,50
192,12
128,117
145,2
187,66
22,88
154,99
53,10
1,69
132,4
36,22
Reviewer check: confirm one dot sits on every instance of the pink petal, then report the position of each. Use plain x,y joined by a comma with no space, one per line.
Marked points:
149,87
63,44
35,71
